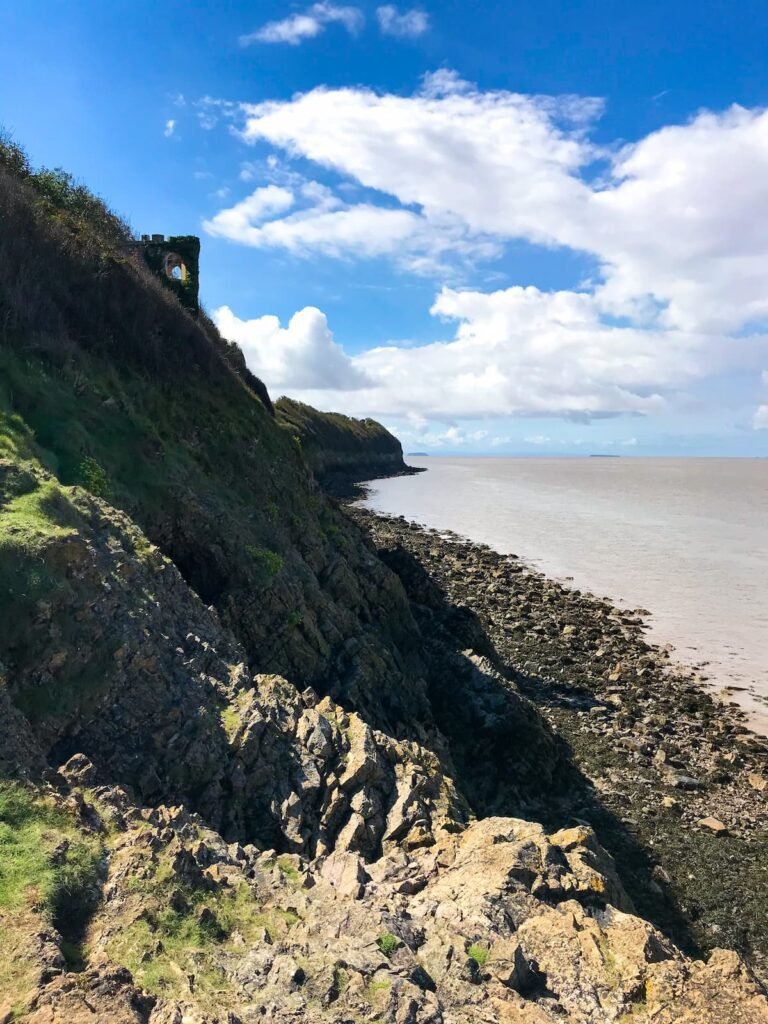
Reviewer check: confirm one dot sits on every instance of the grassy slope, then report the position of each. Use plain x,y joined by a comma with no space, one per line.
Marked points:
50,875
332,441
107,383
108,386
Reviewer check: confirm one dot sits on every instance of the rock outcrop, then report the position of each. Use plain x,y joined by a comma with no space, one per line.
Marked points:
342,450
496,921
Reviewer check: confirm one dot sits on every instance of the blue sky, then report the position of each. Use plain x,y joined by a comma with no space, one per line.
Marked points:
496,227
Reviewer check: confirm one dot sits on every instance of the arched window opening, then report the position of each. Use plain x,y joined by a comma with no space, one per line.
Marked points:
175,267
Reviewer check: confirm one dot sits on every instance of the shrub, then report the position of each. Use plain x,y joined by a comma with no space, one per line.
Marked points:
478,953
270,561
13,157
93,477
295,619
387,943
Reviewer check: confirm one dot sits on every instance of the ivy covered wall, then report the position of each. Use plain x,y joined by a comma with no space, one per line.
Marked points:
187,247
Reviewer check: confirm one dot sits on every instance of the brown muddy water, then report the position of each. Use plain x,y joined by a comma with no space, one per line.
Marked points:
686,539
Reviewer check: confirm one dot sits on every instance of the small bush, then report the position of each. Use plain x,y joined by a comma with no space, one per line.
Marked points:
479,954
13,157
271,562
93,477
75,887
387,943
294,619
375,989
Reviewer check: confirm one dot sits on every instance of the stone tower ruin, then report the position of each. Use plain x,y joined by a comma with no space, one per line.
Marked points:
176,261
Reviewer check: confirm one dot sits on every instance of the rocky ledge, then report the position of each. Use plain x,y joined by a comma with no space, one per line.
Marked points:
498,921
673,782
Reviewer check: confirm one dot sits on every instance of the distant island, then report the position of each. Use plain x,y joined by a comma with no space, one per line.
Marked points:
417,453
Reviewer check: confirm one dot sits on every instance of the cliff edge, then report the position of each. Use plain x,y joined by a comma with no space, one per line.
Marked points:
342,450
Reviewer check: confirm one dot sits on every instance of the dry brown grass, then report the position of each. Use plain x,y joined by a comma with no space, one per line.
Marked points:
68,280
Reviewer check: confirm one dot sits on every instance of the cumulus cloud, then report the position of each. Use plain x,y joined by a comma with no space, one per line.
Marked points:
323,223
302,355
760,421
170,127
311,23
405,25
673,223
517,351
673,220
239,222
432,150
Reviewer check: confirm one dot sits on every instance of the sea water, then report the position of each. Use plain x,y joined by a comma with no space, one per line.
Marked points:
686,539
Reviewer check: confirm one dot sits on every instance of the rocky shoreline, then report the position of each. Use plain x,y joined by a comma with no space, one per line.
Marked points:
673,782
346,485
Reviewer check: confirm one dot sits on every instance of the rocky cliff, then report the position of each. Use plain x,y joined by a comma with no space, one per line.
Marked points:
244,775
340,449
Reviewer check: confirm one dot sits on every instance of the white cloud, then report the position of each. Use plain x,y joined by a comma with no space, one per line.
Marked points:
325,224
673,222
760,421
681,222
517,351
311,23
407,25
170,127
432,150
537,439
238,221
302,355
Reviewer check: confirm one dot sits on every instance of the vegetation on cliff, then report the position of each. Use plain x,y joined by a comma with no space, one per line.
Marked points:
339,447
244,775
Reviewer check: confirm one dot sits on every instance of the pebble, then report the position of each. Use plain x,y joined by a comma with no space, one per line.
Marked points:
713,825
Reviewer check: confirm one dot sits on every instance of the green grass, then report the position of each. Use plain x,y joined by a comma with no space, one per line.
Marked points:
387,943
48,869
29,520
288,870
270,562
45,863
162,946
376,989
479,954
230,719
